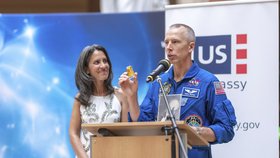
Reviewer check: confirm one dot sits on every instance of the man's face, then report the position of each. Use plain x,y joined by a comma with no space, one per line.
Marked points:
177,47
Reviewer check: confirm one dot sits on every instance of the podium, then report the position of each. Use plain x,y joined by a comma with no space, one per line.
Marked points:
139,139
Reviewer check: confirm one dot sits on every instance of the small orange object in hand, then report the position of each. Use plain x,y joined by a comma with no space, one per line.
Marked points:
130,72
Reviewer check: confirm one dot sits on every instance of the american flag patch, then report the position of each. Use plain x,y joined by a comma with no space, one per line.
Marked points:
219,89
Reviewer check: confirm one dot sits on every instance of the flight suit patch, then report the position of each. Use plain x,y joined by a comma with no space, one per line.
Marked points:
190,92
194,120
219,89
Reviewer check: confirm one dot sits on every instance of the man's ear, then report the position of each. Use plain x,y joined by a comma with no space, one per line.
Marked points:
191,47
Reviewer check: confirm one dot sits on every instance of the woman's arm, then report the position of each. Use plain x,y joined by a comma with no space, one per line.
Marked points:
74,131
130,88
123,100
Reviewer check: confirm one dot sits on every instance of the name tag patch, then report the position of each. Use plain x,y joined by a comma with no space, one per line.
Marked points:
191,92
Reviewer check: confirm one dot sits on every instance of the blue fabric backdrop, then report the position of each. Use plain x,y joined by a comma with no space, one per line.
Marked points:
38,56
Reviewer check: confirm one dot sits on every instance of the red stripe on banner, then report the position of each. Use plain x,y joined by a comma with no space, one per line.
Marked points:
241,54
241,39
241,68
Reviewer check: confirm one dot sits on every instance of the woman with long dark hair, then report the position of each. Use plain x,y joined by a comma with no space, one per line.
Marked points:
97,100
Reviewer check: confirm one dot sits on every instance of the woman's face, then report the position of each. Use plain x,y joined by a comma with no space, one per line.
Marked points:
98,66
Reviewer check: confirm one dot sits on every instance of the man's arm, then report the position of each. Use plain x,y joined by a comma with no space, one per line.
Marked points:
206,132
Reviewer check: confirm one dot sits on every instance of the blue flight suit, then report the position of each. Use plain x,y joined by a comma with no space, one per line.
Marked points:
203,103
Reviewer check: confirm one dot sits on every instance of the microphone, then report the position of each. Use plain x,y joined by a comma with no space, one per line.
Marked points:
163,65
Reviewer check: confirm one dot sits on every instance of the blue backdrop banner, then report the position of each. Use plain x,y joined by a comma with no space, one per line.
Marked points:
38,56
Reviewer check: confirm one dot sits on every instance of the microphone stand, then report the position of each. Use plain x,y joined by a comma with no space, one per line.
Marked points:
174,125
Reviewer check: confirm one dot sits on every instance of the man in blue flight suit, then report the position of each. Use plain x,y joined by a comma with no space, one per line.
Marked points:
204,104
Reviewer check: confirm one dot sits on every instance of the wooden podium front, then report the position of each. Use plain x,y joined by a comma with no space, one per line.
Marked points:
137,139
